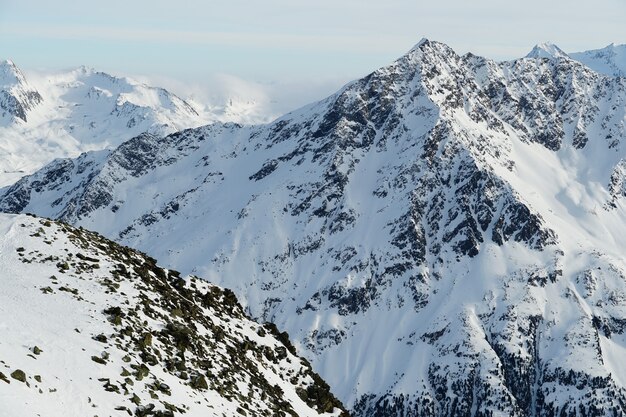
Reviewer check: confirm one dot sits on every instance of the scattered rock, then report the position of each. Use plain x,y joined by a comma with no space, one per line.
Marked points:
19,375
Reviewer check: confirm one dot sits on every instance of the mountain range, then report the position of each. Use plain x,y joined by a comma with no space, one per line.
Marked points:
442,237
60,115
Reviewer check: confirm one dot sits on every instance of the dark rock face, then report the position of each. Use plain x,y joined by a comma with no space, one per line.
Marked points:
391,229
18,106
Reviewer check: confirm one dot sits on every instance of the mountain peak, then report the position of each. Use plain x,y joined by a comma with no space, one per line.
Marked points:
6,63
612,49
10,74
613,45
425,43
547,50
84,70
427,50
17,97
610,60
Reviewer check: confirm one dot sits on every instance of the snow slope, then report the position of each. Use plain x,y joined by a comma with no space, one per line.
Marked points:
92,328
441,238
610,60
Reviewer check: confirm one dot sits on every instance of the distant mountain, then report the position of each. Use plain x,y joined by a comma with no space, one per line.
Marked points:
546,50
16,96
610,60
64,114
443,237
92,328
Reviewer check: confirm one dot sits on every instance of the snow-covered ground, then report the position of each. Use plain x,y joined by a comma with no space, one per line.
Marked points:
91,328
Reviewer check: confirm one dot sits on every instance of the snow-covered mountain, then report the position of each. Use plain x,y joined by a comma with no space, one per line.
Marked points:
443,237
93,328
64,114
546,50
17,97
610,60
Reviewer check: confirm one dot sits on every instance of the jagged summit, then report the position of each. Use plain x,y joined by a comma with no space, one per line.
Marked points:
9,73
610,60
422,42
427,47
11,76
546,50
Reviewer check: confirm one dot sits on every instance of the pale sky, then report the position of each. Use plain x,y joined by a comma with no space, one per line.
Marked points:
320,42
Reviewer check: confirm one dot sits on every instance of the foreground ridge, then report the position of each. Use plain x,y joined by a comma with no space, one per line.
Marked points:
93,328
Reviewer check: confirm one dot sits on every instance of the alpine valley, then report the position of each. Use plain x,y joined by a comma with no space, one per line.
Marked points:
444,237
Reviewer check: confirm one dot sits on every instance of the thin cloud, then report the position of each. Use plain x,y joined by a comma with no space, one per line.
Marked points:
368,43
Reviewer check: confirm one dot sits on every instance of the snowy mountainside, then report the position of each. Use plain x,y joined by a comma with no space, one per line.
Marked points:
17,97
93,328
441,238
64,114
610,60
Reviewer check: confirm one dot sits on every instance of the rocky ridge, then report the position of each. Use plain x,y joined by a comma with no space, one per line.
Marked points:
93,328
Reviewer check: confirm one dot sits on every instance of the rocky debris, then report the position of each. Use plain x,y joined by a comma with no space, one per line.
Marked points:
165,345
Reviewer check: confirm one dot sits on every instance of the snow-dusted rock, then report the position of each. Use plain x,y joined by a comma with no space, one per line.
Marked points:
88,327
610,60
17,97
546,50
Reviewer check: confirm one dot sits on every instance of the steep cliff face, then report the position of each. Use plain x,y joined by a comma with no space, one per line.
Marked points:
441,238
89,326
